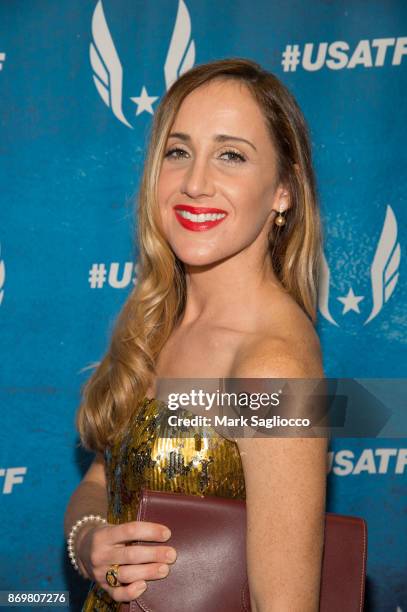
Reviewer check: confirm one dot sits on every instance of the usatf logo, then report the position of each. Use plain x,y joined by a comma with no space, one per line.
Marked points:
108,70
338,54
2,277
112,275
2,60
383,274
12,476
370,461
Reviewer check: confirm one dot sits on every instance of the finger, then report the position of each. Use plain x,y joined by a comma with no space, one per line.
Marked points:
138,530
127,592
133,555
146,571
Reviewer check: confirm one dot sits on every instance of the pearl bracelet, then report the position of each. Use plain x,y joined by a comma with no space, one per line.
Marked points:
74,531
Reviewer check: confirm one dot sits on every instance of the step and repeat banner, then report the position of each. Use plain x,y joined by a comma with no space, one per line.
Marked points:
79,85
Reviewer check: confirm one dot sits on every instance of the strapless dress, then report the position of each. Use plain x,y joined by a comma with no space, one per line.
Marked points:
155,456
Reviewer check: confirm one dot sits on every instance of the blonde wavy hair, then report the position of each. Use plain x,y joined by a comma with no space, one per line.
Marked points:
157,302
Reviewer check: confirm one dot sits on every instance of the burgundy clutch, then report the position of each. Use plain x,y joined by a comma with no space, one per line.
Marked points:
209,575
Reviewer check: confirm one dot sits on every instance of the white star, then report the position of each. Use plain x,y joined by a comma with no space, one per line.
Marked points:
350,302
144,102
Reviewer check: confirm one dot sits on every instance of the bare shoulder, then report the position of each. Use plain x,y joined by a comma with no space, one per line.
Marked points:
288,348
293,351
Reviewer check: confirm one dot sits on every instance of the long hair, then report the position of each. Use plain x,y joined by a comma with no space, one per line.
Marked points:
156,303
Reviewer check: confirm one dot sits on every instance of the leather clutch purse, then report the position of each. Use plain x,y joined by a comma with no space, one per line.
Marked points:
209,575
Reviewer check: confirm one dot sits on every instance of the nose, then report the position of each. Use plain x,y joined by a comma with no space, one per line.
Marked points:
197,180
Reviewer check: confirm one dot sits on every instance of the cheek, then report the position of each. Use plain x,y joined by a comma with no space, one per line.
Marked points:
162,191
166,187
249,199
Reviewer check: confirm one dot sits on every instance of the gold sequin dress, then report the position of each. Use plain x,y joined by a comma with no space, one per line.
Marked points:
155,456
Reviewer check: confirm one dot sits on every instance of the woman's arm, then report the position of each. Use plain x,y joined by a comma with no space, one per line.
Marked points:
285,487
90,497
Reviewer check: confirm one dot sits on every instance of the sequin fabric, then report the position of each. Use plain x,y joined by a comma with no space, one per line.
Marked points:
155,456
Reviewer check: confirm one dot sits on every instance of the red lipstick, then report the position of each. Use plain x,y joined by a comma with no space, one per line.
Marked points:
198,226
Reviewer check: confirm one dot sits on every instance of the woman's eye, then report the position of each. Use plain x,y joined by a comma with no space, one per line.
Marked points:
176,153
233,156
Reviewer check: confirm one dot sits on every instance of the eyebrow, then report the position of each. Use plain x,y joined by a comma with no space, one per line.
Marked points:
217,138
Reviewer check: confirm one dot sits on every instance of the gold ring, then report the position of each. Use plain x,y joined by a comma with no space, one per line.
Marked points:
112,576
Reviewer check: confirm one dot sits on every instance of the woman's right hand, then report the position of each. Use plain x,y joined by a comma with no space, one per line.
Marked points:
99,547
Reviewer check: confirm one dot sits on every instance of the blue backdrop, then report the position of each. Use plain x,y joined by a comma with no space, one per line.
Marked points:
79,82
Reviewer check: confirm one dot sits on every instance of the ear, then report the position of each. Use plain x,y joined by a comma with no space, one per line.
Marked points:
282,200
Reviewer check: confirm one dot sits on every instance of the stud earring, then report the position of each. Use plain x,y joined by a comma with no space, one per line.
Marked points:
280,220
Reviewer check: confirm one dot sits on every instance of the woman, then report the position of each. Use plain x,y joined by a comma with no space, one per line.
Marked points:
231,295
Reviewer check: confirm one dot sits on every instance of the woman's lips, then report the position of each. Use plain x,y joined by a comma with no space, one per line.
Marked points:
193,224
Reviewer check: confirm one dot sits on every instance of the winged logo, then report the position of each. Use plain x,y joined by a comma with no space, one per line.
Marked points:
108,71
181,52
107,67
383,272
323,295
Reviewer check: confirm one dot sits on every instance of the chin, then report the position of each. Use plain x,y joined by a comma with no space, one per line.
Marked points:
202,258
196,257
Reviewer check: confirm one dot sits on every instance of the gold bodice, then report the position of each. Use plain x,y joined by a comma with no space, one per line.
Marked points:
155,456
